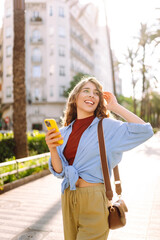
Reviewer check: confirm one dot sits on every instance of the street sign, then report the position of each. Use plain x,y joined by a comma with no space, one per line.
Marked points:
6,119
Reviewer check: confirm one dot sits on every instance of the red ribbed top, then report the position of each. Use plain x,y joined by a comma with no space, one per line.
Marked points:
79,126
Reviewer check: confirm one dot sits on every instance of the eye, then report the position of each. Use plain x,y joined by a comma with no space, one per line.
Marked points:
97,93
85,90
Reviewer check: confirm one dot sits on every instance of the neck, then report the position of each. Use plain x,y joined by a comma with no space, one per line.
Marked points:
82,116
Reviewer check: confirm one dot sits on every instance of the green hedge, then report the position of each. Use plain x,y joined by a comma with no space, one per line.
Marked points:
6,149
36,145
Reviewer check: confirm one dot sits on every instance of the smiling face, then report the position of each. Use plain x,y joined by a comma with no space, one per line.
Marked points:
87,100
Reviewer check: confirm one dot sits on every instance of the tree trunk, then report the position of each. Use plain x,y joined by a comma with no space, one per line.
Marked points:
143,85
134,93
19,105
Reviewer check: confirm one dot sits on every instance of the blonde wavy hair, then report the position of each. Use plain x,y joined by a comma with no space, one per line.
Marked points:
70,113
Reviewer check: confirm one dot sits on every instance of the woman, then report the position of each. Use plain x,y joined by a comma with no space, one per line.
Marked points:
77,160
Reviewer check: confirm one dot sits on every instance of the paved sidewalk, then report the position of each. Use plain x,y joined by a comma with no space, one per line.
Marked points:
33,211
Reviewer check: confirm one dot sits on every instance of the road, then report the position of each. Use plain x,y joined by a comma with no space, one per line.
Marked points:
33,211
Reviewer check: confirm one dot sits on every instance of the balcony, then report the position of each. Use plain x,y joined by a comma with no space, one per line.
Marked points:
35,100
36,20
82,58
39,79
79,39
36,59
36,41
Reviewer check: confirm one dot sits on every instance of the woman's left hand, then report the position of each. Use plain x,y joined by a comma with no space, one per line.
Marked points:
111,101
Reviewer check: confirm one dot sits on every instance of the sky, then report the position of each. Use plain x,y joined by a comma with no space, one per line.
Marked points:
124,18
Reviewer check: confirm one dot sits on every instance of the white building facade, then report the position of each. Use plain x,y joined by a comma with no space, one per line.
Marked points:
61,39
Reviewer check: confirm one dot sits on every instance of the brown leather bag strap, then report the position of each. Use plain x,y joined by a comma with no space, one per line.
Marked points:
105,170
117,180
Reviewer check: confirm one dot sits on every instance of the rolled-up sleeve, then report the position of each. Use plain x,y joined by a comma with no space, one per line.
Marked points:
127,136
63,160
59,175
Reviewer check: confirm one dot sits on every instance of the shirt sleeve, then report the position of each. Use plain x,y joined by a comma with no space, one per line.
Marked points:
125,137
59,175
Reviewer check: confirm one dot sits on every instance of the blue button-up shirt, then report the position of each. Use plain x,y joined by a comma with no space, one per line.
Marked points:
119,137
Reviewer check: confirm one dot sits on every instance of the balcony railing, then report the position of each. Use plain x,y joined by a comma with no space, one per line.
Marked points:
36,40
79,38
36,20
36,59
82,58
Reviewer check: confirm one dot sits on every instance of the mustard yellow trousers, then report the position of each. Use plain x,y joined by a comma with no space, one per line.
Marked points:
85,213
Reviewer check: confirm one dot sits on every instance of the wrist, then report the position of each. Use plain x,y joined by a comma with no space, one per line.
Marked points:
115,108
53,150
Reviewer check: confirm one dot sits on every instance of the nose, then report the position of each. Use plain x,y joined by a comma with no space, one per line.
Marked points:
91,94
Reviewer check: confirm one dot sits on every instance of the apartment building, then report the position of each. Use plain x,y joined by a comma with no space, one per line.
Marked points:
61,39
1,63
1,73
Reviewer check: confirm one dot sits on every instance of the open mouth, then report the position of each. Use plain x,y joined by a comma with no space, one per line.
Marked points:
89,102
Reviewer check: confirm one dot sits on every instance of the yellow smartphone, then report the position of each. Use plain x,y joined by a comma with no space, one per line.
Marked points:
50,124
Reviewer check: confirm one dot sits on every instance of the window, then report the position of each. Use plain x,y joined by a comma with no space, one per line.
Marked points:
35,14
36,94
50,11
9,71
37,126
36,36
8,51
36,17
51,70
51,31
61,12
51,49
62,71
8,92
8,12
37,56
61,51
8,32
61,91
61,32
51,91
36,71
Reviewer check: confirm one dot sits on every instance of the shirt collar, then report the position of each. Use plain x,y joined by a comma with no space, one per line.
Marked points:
95,120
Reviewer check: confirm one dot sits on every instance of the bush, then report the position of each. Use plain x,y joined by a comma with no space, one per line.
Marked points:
36,145
7,147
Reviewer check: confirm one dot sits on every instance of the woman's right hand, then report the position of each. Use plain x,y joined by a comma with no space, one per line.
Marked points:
52,138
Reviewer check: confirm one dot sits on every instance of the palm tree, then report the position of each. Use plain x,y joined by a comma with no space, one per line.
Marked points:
145,38
19,105
131,57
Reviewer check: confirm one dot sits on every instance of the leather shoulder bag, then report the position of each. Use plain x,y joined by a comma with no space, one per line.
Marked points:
117,209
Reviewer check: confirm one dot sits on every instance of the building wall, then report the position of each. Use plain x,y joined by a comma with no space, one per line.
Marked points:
60,41
103,70
7,89
1,64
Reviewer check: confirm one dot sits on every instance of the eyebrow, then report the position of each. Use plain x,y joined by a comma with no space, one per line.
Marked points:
89,88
